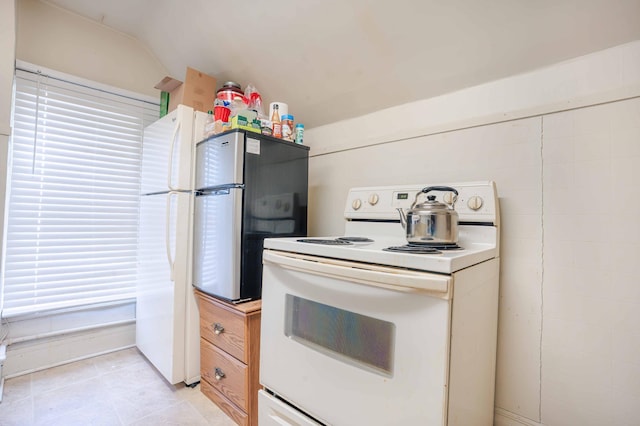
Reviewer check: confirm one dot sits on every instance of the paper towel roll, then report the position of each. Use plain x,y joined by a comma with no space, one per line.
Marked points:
283,109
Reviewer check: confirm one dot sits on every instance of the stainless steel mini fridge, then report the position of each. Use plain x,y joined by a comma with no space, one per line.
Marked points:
248,187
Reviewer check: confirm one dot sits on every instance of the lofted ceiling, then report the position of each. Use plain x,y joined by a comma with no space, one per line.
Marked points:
336,59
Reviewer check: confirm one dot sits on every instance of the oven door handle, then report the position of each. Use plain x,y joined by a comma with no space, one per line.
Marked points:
372,275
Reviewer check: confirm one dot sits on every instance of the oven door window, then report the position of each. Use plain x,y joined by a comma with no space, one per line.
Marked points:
359,340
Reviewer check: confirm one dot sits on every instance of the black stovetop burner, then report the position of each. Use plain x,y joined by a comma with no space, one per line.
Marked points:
439,246
413,249
426,248
325,242
356,239
342,241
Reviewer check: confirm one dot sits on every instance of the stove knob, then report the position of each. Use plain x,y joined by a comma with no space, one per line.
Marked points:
356,204
373,199
475,203
448,198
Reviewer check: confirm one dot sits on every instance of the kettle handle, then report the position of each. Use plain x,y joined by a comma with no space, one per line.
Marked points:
439,188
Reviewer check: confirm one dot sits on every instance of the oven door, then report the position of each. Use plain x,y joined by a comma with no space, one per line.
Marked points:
350,343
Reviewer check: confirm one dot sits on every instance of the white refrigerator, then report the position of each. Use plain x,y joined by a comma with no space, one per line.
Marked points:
167,317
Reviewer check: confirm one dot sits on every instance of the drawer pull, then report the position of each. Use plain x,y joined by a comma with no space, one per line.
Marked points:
218,328
219,374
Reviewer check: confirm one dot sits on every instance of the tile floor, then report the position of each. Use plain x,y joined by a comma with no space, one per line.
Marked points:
120,388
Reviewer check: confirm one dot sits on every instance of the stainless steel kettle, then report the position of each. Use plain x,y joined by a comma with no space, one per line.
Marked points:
431,221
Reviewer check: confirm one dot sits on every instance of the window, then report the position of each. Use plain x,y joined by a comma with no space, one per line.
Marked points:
73,194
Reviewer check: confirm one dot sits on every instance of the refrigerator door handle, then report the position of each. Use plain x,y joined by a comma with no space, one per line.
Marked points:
167,242
170,169
219,189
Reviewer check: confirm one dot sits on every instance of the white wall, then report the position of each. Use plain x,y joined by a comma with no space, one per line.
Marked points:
591,287
568,349
54,38
7,59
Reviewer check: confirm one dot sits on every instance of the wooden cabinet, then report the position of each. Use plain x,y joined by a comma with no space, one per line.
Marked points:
230,356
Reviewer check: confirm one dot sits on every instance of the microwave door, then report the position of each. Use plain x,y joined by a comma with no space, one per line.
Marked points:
217,242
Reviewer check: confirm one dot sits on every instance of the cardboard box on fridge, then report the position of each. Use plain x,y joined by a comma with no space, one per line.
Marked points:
198,90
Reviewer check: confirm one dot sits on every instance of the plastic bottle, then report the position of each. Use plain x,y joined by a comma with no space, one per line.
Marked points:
208,125
276,125
299,133
287,127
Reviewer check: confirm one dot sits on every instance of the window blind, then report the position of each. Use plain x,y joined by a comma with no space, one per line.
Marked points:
73,195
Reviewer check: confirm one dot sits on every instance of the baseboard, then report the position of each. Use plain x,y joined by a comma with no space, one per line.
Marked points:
503,417
35,355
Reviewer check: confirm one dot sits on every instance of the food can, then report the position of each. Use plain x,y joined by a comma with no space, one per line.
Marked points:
299,133
287,127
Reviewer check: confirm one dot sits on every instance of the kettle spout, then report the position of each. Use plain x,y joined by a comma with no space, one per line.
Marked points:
403,218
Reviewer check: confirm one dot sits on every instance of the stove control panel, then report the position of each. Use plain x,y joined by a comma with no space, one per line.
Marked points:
476,201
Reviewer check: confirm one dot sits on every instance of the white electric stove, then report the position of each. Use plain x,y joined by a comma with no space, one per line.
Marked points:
379,223
353,333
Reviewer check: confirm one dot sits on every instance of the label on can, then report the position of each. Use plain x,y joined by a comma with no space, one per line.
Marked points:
287,131
299,134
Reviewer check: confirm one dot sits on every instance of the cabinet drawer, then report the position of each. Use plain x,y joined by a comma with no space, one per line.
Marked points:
225,373
236,414
223,328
